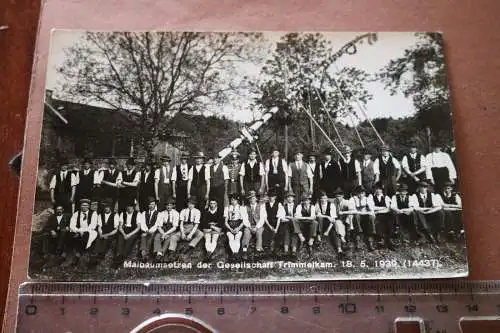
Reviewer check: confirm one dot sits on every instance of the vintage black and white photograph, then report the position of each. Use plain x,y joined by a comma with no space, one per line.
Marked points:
246,156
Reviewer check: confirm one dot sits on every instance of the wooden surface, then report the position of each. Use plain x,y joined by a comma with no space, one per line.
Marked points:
472,45
16,55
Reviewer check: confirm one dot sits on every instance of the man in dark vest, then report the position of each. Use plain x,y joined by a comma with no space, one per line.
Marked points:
300,176
146,185
128,231
332,178
276,174
402,207
363,218
305,221
62,187
219,179
429,211
273,234
111,177
350,172
368,171
255,224
168,223
414,166
199,181
212,221
252,174
384,220
326,213
317,175
128,185
149,228
86,181
181,177
389,170
164,185
452,206
107,227
287,224
56,232
234,174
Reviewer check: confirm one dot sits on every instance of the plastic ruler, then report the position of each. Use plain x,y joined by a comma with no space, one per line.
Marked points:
441,306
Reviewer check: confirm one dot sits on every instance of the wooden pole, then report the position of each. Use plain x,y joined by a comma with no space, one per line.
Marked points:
330,118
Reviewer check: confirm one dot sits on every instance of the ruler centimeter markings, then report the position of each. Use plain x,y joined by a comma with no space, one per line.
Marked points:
294,307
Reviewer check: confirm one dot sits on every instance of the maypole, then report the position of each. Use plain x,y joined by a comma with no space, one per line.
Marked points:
329,117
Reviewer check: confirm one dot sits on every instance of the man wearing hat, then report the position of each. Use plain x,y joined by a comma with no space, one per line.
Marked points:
344,215
146,185
234,173
389,170
190,218
181,177
252,174
364,217
235,219
452,206
256,213
128,185
429,212
219,181
128,231
199,181
414,166
62,187
150,222
440,168
350,171
56,231
111,177
368,171
384,220
164,185
300,176
273,233
331,174
212,220
402,207
276,174
289,207
107,228
82,226
86,180
317,174
328,220
305,221
168,223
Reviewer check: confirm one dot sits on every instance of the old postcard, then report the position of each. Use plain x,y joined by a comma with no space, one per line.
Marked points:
246,157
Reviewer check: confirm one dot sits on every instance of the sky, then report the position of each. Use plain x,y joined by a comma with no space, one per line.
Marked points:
370,58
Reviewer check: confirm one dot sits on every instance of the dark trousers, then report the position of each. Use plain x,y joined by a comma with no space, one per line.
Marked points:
145,191
164,192
274,182
233,187
433,222
219,194
127,197
274,240
55,245
306,227
389,184
181,195
440,176
79,242
453,221
124,246
147,242
251,186
407,224
348,187
386,226
299,189
102,246
109,192
199,192
364,224
368,185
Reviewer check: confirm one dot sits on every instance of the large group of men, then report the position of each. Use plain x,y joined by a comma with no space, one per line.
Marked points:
373,202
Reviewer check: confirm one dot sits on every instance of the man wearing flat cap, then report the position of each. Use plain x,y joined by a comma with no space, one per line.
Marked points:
428,208
300,176
414,166
62,187
276,173
389,170
128,185
83,226
350,172
146,185
164,185
252,174
331,174
86,181
199,181
111,178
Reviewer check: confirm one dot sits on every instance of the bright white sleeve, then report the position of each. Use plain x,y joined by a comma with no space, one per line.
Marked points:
244,216
263,216
394,202
387,201
52,184
157,174
225,172
72,222
357,166
207,173
242,169
370,203
396,163
262,172
376,166
404,163
413,201
437,201
298,211
458,199
289,172
174,174
428,167
190,173
116,221
451,168
281,211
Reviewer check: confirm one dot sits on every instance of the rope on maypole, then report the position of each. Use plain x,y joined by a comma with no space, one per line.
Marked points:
330,117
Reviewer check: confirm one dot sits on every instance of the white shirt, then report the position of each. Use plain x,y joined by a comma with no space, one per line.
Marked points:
59,219
376,164
262,215
173,215
126,219
360,204
143,224
237,212
88,221
357,165
411,203
184,173
298,211
405,164
225,170
194,218
437,201
64,174
440,160
271,165
299,164
198,168
252,163
116,220
333,210
166,178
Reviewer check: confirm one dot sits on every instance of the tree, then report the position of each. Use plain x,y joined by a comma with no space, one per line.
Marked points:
156,74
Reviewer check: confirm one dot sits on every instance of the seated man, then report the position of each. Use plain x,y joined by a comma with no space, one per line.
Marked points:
255,223
235,217
149,226
344,215
128,231
55,235
82,226
404,215
363,210
384,220
168,223
211,223
107,227
304,222
188,229
286,224
452,206
429,212
273,232
327,219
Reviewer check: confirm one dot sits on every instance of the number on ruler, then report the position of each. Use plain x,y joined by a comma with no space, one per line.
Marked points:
62,311
347,307
31,309
472,307
410,308
188,311
253,308
443,308
93,311
221,311
379,308
284,309
316,310
157,311
125,311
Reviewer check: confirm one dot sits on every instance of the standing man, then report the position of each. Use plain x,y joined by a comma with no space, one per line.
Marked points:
429,212
181,183
168,223
62,187
368,171
276,174
199,181
317,175
252,174
414,166
111,177
164,185
300,176
332,175
86,180
128,185
440,168
255,223
234,174
146,185
83,229
149,226
389,171
219,179
128,231
350,172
